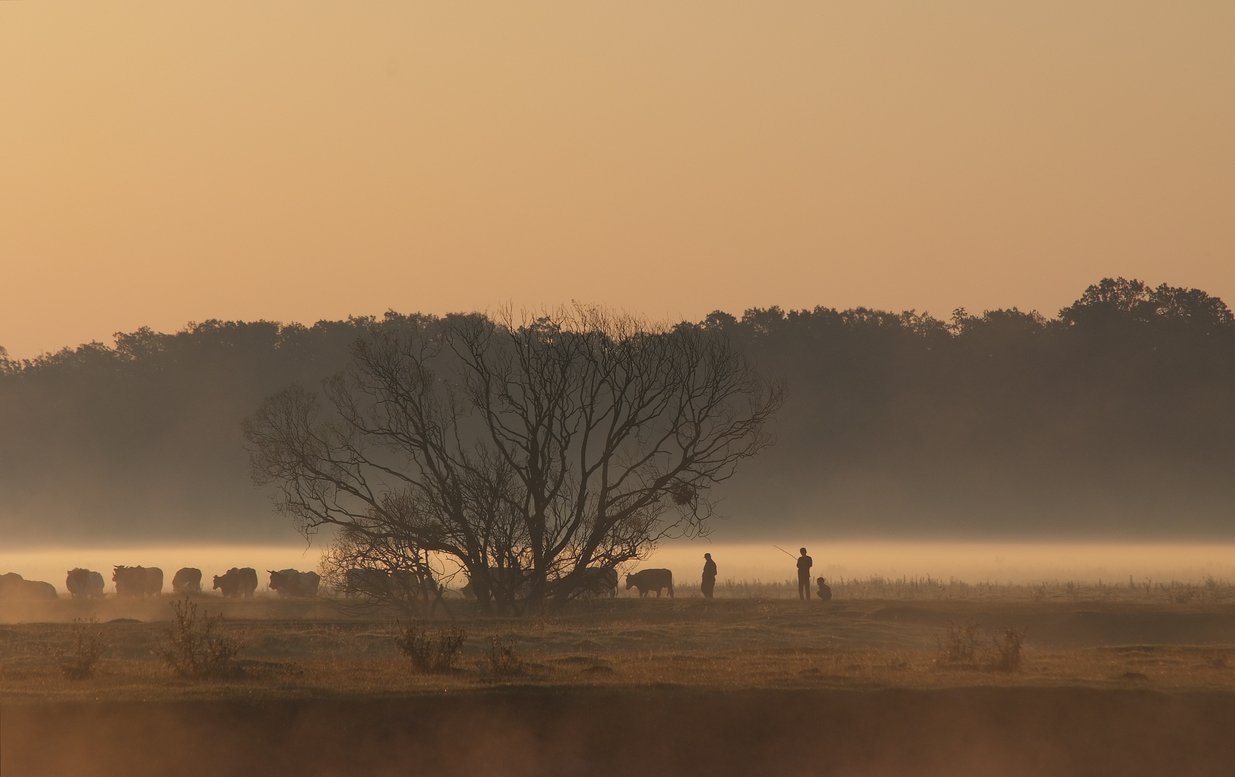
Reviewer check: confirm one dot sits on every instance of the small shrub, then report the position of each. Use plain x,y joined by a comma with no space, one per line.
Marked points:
1007,655
78,663
502,659
431,653
191,647
959,645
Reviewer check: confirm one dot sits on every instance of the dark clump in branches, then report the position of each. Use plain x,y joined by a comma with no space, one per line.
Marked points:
525,454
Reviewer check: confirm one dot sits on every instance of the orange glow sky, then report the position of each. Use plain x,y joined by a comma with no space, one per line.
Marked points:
297,160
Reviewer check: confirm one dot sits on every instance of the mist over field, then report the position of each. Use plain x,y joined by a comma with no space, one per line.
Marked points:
1001,563
1112,421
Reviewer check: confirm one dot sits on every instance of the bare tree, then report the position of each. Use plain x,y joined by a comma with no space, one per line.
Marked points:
523,452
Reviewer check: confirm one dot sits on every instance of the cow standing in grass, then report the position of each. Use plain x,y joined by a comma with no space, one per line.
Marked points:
651,580
401,587
367,583
84,583
187,581
138,581
291,582
597,582
237,582
14,586
501,583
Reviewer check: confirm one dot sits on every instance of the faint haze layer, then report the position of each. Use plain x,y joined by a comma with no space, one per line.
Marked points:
1115,420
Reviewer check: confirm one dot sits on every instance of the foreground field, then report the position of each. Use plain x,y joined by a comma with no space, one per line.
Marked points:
755,685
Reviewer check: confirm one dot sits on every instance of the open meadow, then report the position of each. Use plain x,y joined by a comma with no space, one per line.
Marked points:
891,677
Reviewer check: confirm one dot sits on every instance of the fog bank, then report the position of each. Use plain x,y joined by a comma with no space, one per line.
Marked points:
974,562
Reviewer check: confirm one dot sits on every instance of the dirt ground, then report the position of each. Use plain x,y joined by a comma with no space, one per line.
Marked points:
518,732
745,686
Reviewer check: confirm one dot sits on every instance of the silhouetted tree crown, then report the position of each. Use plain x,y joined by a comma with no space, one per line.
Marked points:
549,449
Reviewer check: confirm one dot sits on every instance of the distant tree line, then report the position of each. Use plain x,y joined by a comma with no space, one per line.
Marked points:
1114,419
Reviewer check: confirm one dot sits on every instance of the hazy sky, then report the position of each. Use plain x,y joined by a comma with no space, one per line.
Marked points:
167,162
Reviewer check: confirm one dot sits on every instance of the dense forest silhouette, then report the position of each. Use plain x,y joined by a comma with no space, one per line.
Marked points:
1114,420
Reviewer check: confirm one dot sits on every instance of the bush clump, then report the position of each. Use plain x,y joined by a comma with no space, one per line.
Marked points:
958,648
431,653
959,645
192,649
1007,650
78,663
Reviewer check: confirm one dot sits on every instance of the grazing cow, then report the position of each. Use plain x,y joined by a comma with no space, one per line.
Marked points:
400,584
10,583
403,587
84,583
651,580
368,583
138,581
14,586
291,582
237,582
503,583
187,580
597,582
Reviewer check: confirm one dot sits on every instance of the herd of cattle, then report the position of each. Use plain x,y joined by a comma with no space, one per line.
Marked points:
148,581
242,582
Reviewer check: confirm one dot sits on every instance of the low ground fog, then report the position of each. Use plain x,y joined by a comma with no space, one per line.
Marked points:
967,561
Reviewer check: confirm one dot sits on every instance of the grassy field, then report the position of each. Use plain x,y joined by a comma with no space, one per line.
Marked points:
1155,662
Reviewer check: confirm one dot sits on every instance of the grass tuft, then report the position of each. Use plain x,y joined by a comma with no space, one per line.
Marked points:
959,645
1007,655
502,659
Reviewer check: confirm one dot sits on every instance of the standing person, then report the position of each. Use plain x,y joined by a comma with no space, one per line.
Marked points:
804,565
709,576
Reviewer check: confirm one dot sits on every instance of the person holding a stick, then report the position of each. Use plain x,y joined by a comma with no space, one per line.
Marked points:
804,565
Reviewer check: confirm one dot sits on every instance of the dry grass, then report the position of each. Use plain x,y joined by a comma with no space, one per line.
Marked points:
1136,679
737,643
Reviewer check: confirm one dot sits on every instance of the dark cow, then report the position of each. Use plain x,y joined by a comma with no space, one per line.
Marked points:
291,582
187,581
14,586
651,580
84,583
367,583
237,582
597,582
138,581
503,583
400,584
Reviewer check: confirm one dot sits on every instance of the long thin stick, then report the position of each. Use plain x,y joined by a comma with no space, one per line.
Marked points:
782,550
